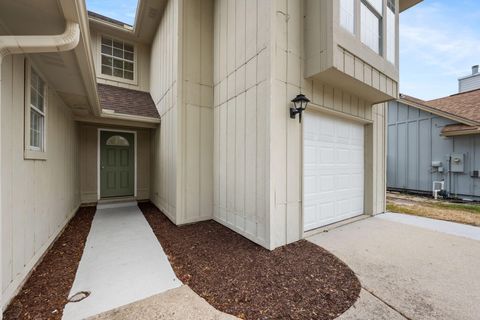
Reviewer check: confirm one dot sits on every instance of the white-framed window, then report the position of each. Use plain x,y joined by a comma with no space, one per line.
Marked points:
391,32
36,104
117,58
371,13
347,15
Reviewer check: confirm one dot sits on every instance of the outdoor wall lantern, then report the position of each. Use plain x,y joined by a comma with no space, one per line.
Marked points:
299,105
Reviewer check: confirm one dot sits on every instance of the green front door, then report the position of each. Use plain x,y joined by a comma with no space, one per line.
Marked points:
117,164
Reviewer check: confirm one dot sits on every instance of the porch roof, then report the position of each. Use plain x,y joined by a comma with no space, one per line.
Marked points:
126,101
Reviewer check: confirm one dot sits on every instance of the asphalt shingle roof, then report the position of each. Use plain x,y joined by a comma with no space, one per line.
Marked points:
464,105
127,101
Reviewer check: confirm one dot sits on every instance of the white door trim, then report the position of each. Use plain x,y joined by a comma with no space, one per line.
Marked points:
99,130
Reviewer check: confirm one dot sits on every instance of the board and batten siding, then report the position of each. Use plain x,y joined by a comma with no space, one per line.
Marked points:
287,140
183,145
38,197
164,90
88,153
197,103
415,140
242,54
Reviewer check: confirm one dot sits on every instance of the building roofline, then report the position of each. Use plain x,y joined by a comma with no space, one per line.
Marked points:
117,23
457,94
469,76
422,106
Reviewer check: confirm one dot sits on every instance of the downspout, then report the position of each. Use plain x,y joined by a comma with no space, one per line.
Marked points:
68,40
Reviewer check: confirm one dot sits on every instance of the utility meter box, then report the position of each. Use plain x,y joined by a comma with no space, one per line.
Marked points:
436,164
457,162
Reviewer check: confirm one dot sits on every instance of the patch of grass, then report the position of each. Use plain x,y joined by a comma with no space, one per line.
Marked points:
400,209
459,206
471,208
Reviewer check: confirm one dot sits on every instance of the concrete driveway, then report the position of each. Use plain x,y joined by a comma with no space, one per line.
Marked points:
410,268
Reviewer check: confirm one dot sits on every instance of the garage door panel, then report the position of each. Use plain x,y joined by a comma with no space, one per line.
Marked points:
333,170
310,156
310,213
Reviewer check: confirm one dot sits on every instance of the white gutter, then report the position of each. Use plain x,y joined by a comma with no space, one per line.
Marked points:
34,44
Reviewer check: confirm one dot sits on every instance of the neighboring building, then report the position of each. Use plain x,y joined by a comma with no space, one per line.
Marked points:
189,108
437,140
470,82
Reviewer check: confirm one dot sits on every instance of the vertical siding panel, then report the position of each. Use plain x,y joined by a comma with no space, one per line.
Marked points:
240,161
7,173
192,159
250,158
349,64
231,161
328,96
223,162
262,148
206,162
231,39
216,163
359,69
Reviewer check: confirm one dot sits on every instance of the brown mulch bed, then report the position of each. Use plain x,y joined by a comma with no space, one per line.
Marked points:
236,276
46,291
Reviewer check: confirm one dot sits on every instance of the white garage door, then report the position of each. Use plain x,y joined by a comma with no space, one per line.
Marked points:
333,169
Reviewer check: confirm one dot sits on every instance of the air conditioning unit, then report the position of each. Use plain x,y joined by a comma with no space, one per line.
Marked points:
475,174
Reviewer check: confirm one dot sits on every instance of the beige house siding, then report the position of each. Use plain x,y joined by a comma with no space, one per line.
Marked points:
258,67
183,145
38,197
379,167
142,63
336,56
163,81
241,116
88,142
197,103
286,171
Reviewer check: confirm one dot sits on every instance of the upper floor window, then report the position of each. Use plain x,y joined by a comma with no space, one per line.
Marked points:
347,15
391,33
371,12
118,58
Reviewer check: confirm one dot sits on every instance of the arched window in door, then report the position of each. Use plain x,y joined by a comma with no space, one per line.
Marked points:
118,141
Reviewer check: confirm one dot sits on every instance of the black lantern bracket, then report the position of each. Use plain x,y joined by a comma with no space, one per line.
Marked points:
299,105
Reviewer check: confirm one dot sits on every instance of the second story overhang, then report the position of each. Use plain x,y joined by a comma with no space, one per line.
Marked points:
354,45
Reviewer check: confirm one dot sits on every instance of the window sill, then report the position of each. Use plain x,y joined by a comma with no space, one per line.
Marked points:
117,79
34,155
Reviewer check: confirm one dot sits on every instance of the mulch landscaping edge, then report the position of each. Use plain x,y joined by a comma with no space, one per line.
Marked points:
45,291
297,281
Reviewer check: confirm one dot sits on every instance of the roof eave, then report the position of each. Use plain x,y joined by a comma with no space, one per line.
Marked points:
407,4
76,10
116,115
439,112
454,133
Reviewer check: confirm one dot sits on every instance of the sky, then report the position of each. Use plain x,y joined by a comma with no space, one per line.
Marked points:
439,42
122,10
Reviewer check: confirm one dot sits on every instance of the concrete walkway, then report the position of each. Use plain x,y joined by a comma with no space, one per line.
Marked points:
456,229
407,269
122,262
176,304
